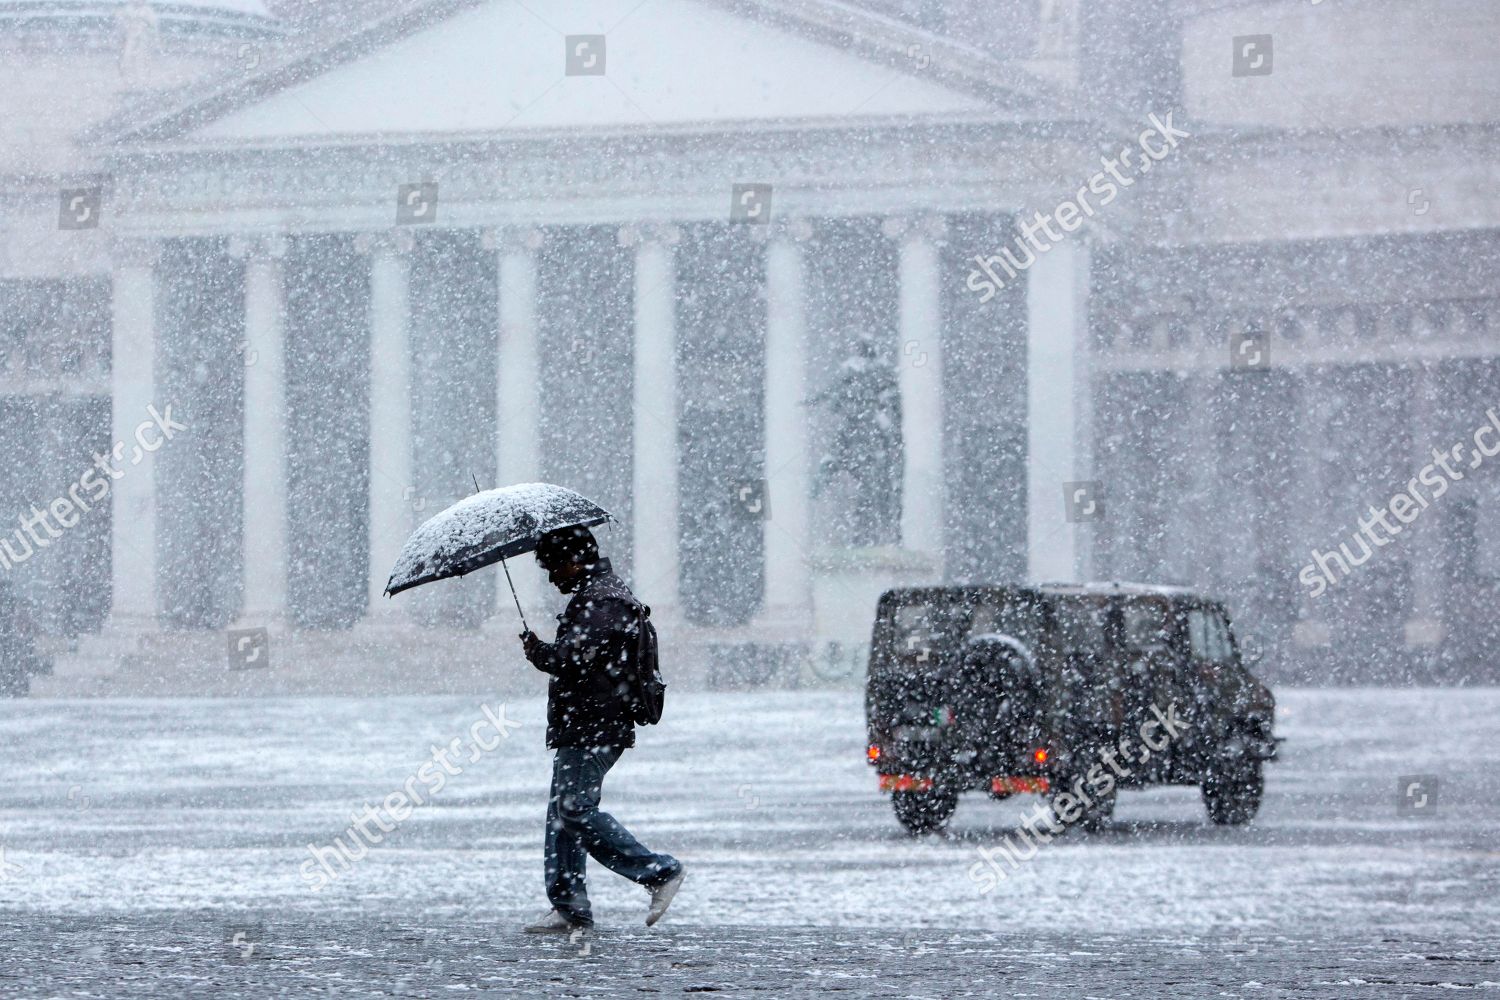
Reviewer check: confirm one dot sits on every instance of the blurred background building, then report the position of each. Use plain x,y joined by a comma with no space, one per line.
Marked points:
224,207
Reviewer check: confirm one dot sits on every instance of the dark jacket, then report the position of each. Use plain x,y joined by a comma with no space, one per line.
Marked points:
591,664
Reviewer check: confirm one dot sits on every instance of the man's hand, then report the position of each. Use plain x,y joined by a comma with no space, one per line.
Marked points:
533,646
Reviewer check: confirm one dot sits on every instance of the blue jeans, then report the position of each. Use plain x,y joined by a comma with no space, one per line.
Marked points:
576,830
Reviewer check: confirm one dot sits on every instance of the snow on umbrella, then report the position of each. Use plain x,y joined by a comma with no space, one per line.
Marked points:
487,528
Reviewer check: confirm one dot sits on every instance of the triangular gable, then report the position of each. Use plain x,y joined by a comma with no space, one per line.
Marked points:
500,66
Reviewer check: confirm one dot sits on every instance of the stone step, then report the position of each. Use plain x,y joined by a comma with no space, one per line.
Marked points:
381,661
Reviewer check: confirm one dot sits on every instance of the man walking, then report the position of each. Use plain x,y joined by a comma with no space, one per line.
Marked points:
590,724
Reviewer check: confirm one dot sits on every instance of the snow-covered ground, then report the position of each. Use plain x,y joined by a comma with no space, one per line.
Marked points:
137,835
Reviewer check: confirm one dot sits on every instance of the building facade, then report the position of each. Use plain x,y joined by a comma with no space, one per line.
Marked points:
629,251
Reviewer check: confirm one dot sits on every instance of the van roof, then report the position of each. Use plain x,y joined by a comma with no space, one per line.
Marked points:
1056,590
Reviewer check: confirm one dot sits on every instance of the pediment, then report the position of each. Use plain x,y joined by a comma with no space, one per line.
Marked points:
503,66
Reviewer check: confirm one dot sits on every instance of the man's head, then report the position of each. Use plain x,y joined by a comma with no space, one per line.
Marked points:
567,555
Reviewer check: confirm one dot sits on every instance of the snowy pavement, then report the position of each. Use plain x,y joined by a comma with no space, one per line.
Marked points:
161,848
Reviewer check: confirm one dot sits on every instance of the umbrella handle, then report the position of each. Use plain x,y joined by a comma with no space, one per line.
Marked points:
513,595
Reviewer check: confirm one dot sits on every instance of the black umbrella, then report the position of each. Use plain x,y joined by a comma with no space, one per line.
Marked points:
487,528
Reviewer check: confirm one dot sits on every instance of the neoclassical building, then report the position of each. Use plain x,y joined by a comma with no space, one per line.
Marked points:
627,247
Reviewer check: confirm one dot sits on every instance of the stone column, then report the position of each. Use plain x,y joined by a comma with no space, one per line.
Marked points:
392,479
656,434
1058,414
1311,629
1424,549
264,601
518,403
920,372
1200,515
788,473
132,470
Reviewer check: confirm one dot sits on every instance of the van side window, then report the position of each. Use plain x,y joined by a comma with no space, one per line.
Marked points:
1208,636
1146,625
1081,625
1082,636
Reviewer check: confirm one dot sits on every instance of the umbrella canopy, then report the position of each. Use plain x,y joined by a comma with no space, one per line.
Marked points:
487,527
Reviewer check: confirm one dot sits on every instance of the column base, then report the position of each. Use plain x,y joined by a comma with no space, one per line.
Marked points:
125,628
101,651
252,640
1424,632
1311,634
793,622
275,622
385,616
364,661
129,620
696,657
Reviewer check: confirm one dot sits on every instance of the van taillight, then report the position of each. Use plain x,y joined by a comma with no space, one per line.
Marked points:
873,753
1040,755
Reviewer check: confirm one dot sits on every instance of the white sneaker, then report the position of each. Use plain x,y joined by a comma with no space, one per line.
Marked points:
661,897
554,922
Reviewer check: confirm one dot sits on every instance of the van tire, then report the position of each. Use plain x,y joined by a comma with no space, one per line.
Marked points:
1232,791
924,812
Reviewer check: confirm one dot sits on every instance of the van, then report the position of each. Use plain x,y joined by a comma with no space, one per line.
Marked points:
1071,691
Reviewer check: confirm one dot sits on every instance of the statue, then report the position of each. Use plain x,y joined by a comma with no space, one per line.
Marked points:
865,398
1057,29
138,24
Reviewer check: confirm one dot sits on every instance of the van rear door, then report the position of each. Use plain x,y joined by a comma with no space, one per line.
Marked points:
910,667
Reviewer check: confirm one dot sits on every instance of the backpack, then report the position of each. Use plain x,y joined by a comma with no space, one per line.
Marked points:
648,692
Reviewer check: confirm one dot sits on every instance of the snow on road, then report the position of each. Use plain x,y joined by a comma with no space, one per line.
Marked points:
192,818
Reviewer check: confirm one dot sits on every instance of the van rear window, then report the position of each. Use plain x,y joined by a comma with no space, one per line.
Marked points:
922,628
939,625
1019,619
